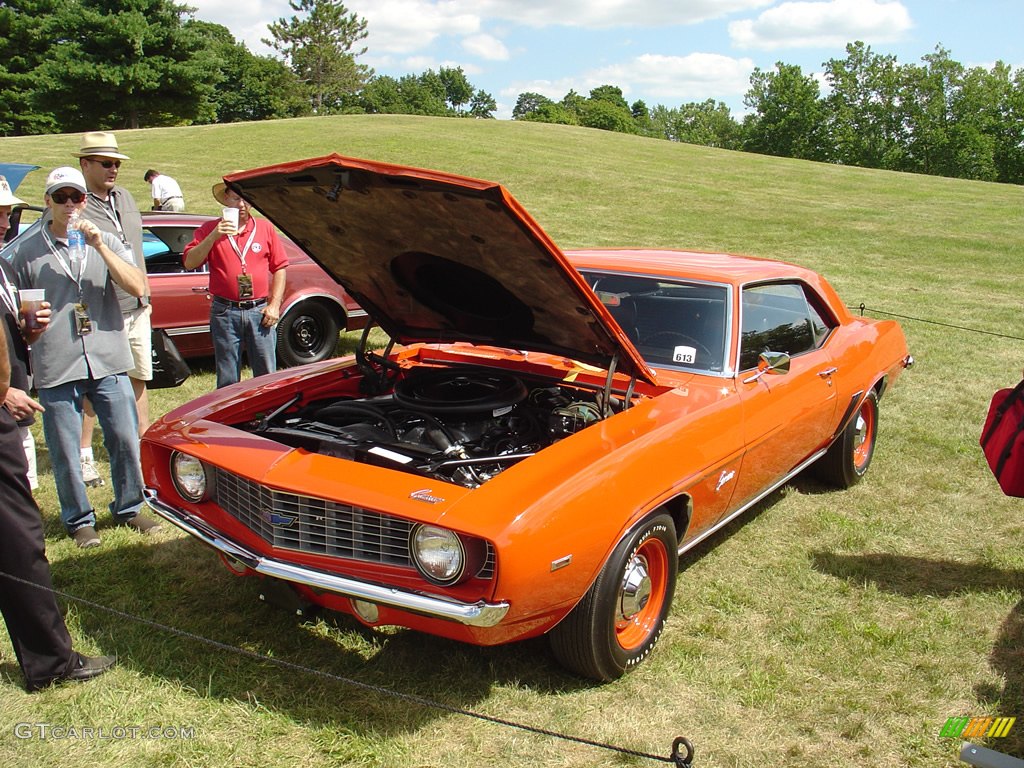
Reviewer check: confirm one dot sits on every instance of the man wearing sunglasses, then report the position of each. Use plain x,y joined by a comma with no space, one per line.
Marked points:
112,208
83,353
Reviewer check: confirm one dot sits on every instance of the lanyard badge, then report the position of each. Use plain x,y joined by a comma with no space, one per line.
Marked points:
244,286
83,324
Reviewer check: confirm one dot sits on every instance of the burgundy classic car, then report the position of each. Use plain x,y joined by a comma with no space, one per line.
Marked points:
314,310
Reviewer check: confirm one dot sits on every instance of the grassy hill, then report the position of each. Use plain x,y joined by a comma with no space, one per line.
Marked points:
823,629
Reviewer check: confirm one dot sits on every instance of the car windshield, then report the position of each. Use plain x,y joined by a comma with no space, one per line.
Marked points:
672,323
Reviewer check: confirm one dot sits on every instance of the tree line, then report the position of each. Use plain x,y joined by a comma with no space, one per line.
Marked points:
75,65
937,117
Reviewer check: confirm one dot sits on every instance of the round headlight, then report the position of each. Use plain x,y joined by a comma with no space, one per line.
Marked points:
189,476
438,554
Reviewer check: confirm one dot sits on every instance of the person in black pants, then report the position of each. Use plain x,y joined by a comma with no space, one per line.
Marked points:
30,610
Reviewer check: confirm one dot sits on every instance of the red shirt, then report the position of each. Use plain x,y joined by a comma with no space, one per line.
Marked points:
265,256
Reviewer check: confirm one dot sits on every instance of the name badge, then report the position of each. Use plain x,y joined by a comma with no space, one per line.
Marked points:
83,324
245,286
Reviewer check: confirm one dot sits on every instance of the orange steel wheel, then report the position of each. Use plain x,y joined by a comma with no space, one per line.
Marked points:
642,594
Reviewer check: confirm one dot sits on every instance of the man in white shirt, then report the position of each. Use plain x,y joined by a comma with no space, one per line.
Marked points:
166,192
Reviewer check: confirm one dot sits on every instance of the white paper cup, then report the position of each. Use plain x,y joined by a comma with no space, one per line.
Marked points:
230,215
31,302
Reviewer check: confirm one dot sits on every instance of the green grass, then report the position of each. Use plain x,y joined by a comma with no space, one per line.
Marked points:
824,629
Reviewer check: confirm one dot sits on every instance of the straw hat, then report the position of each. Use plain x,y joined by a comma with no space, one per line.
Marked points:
219,190
99,144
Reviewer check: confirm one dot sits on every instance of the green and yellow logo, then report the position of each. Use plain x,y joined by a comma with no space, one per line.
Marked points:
977,727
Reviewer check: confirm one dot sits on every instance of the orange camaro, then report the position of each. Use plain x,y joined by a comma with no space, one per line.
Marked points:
546,433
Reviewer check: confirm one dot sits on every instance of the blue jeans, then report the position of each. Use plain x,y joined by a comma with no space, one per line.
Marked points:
114,402
236,330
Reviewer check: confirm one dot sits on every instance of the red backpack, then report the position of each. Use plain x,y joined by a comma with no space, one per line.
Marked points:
1002,439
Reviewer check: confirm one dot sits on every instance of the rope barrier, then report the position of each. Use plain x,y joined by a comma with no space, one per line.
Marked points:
682,750
862,308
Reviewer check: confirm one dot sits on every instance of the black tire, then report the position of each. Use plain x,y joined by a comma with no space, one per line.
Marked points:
613,629
849,457
307,333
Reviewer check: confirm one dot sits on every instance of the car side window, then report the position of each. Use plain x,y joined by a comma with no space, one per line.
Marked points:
781,317
163,248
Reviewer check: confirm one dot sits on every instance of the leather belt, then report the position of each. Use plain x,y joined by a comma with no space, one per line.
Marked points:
241,304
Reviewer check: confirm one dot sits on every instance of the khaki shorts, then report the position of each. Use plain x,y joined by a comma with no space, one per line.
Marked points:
140,339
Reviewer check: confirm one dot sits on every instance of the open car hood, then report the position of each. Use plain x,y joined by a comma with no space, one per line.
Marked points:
439,258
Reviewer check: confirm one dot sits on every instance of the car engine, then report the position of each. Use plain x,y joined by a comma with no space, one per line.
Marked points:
460,425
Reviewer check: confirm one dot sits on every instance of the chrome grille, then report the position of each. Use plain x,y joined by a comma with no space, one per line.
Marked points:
319,526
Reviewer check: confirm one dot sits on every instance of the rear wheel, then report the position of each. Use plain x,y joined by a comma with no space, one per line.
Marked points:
621,617
307,333
848,459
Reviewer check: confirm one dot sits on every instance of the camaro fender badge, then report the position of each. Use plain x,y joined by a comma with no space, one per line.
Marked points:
724,478
562,562
274,518
424,494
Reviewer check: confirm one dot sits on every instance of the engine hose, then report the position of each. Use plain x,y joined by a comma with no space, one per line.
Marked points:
357,409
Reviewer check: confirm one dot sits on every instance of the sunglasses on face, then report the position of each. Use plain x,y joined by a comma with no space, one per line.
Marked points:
107,163
60,197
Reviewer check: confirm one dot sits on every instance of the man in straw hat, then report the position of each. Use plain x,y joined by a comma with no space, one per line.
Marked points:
247,277
83,353
112,208
17,402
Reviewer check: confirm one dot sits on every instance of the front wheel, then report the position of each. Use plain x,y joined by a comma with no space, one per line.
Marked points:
616,624
849,457
308,333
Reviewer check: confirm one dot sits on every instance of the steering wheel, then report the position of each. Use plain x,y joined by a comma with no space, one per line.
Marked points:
676,339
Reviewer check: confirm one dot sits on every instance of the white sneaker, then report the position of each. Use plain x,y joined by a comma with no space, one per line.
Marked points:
90,475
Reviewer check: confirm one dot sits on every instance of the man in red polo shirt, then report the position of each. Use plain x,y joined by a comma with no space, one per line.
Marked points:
247,274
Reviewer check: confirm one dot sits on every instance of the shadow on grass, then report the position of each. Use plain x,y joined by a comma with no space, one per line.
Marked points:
913,576
179,583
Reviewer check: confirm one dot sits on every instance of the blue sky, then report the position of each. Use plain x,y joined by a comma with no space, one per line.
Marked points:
662,51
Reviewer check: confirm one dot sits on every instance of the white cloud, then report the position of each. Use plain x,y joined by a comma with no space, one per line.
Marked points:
669,80
394,26
486,47
417,64
603,14
410,25
823,24
694,77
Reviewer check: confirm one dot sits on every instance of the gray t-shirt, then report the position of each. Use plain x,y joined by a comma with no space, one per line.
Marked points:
119,215
61,355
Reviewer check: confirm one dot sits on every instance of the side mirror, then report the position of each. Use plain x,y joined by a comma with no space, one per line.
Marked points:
773,363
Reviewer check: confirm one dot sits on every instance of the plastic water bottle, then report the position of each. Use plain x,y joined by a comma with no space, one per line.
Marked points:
76,241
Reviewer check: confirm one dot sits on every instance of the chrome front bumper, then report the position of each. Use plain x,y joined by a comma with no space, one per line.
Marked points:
479,614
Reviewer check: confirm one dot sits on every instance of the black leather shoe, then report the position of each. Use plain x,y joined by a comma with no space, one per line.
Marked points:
87,668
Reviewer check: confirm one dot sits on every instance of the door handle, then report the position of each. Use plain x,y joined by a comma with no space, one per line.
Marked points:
197,289
827,372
